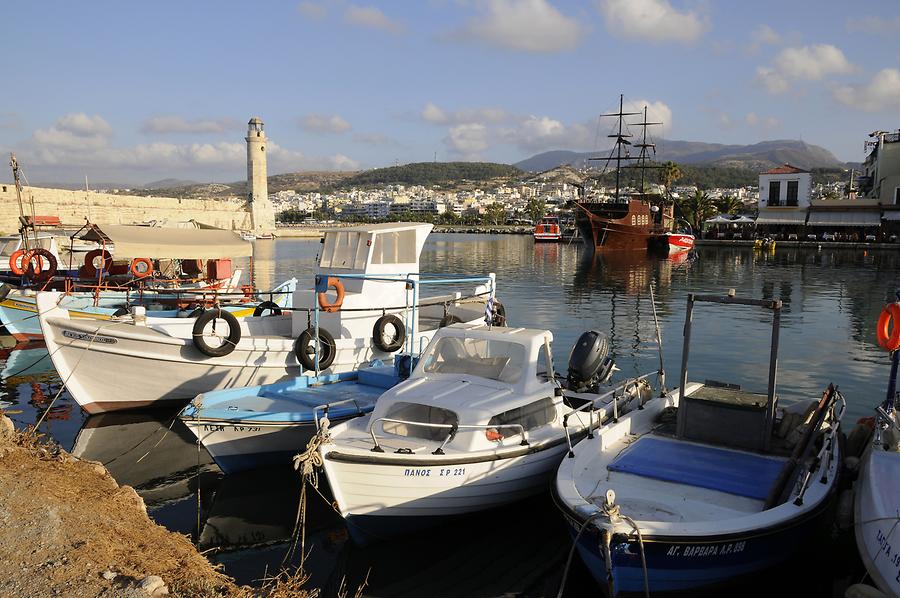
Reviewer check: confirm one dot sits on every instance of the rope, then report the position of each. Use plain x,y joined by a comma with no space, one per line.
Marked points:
308,463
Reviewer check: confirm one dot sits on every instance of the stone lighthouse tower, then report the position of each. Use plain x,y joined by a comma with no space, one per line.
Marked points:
262,213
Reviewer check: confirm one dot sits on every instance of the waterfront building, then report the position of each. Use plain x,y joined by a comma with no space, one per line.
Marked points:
784,196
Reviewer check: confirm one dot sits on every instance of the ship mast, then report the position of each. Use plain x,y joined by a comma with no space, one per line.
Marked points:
621,140
644,146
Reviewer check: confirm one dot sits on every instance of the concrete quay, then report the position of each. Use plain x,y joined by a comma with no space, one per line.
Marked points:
802,244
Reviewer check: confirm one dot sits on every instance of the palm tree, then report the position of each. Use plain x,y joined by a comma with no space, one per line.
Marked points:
697,208
728,204
669,174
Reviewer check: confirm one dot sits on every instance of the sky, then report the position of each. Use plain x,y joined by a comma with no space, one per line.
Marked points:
132,92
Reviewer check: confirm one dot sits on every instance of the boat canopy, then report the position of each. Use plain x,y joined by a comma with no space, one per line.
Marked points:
169,243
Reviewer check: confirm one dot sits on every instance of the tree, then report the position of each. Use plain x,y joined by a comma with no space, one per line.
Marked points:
495,214
728,204
696,208
535,208
669,174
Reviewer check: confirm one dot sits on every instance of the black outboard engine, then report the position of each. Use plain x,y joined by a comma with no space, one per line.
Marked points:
589,362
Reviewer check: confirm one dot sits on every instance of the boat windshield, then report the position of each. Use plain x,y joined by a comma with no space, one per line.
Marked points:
486,358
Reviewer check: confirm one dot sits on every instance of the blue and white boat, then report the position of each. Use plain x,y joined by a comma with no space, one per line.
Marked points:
703,487
259,426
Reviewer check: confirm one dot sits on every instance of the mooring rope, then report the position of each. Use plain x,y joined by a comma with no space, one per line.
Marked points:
308,464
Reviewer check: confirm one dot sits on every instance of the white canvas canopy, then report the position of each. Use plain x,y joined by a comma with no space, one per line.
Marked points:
170,243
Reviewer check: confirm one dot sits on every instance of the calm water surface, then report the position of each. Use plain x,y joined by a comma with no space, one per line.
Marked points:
831,297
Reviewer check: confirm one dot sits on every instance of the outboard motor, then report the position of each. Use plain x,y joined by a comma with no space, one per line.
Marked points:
589,362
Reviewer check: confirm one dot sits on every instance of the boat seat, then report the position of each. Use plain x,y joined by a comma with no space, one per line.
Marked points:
724,470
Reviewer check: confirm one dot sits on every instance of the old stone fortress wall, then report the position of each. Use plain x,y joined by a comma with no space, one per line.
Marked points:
75,207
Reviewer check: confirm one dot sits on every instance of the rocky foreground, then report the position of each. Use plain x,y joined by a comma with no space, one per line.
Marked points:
68,529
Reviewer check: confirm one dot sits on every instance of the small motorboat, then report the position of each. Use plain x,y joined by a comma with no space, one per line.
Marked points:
877,489
548,230
481,422
704,486
259,426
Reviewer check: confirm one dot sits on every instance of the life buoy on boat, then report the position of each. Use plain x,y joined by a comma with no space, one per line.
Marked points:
306,353
338,286
270,306
211,315
90,268
889,338
16,263
34,264
141,267
396,340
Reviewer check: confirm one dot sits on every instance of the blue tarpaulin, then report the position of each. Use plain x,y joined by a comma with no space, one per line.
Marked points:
724,470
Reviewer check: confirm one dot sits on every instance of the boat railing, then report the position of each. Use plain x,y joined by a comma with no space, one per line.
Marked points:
325,406
413,284
452,430
591,404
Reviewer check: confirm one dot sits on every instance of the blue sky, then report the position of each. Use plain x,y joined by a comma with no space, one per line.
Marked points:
133,92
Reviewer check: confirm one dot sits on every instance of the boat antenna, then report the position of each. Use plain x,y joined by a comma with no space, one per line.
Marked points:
662,370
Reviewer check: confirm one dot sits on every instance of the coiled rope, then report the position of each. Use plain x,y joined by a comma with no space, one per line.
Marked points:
308,463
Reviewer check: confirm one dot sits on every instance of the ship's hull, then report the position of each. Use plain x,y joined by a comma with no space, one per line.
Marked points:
671,243
630,231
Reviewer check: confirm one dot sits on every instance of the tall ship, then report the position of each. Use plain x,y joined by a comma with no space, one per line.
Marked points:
635,221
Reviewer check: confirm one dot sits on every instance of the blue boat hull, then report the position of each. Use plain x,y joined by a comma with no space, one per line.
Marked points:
684,565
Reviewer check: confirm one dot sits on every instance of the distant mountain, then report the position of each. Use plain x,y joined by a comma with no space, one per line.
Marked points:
758,156
431,173
170,184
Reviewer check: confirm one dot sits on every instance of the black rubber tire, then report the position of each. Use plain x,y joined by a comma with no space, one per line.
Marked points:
234,332
380,328
4,291
306,357
198,311
267,306
499,314
449,319
122,311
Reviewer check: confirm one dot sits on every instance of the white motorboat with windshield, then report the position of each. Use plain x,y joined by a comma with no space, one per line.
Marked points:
382,305
703,487
482,421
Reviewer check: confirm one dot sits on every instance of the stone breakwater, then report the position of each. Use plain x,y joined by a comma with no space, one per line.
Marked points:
73,207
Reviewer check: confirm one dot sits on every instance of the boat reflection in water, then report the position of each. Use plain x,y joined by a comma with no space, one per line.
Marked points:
141,450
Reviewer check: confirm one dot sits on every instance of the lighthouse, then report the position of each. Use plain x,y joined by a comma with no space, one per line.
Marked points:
262,212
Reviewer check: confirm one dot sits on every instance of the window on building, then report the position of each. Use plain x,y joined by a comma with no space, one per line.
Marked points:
792,192
774,193
896,196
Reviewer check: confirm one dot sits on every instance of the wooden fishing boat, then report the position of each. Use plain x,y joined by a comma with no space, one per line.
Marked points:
382,305
703,487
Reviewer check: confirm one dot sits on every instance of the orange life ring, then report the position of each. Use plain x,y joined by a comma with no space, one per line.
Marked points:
141,267
338,286
889,338
90,270
17,263
34,264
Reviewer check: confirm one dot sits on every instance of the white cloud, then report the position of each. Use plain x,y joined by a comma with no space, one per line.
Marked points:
772,80
874,25
319,123
881,93
812,63
438,116
652,20
177,124
313,10
522,25
373,139
372,18
73,131
763,36
656,112
467,140
765,123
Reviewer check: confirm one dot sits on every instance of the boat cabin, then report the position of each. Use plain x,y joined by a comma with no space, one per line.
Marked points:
473,388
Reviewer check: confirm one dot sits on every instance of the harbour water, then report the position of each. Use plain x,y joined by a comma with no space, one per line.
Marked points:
832,298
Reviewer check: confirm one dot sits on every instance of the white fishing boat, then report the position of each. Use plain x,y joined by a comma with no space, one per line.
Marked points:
877,489
482,421
382,305
704,487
